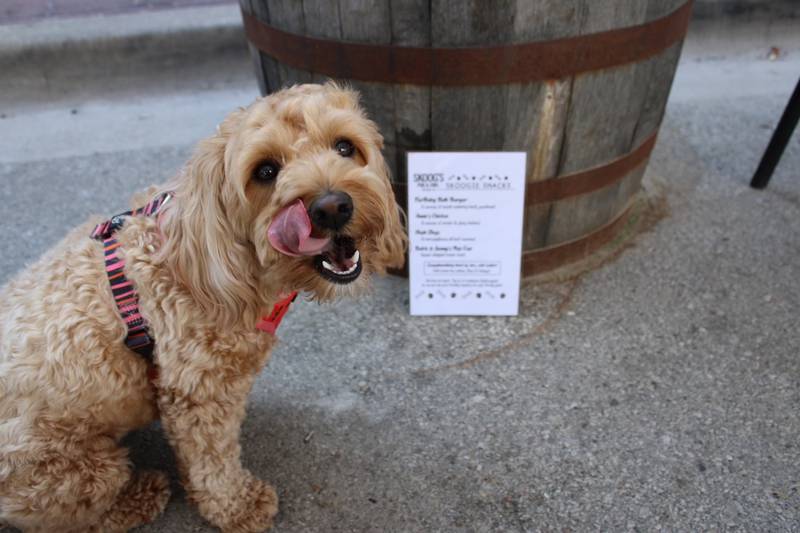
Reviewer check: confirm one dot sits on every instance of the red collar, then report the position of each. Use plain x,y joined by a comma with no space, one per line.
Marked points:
268,323
271,322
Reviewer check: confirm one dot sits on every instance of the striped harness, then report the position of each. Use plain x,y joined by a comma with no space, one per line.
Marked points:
139,338
125,296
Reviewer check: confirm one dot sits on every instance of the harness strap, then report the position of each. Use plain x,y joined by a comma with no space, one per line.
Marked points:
125,296
107,228
127,299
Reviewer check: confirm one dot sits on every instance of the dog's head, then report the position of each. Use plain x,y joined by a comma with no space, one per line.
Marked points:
292,193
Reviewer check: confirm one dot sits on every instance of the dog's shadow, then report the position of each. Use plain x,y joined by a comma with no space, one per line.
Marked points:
328,468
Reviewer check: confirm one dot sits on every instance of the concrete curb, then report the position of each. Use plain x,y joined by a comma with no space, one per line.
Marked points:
57,58
198,48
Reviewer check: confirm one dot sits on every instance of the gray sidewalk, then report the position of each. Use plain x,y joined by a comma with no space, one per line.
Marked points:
659,391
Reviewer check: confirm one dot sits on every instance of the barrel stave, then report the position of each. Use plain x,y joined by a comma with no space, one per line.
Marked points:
564,125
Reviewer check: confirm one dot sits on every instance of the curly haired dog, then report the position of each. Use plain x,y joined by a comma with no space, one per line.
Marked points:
235,235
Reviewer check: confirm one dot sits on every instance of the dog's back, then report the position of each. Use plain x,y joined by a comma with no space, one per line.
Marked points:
65,373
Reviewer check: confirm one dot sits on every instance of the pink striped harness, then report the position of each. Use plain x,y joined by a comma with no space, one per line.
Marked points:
127,299
139,338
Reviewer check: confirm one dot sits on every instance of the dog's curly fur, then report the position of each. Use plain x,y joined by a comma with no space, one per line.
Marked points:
205,273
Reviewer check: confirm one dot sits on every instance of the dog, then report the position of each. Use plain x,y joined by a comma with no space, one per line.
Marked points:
290,194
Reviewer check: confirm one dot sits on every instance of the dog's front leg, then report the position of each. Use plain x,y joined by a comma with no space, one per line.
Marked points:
201,411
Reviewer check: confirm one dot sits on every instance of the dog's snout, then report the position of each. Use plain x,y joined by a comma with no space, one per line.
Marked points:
332,210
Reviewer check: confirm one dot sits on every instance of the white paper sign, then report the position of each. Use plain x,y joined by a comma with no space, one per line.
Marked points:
465,228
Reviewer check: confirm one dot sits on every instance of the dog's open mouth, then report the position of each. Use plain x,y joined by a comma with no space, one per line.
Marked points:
340,262
336,259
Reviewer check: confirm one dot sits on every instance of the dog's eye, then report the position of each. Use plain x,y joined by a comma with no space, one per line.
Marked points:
344,148
267,171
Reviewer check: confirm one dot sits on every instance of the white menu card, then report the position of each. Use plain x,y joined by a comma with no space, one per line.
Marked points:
465,227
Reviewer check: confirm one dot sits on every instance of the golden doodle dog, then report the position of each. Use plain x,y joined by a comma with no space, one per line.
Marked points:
291,194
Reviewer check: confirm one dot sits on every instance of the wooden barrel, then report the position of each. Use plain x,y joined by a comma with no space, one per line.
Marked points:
580,85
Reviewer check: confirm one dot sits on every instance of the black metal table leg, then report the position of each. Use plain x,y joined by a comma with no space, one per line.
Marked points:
779,141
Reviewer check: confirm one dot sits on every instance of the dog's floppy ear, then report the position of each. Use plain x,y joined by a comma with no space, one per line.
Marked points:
203,244
393,241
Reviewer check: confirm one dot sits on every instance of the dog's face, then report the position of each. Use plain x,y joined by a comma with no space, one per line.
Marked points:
301,190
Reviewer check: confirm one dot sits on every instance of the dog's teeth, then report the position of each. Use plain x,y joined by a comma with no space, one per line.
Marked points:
354,260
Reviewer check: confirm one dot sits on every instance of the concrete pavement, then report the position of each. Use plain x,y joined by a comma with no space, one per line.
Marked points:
659,391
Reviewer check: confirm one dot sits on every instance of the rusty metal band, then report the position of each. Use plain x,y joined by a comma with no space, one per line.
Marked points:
489,65
586,181
547,259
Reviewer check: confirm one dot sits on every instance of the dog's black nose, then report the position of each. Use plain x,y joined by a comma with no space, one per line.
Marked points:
332,210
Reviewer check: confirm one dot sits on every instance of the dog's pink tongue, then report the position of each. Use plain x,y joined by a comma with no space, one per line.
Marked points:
290,232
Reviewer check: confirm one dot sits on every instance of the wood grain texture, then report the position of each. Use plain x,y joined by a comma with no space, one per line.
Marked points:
659,74
262,64
288,15
410,26
469,118
522,117
610,112
546,112
369,21
565,125
656,10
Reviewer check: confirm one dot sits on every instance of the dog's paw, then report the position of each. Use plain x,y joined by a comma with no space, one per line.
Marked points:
256,506
141,502
152,493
